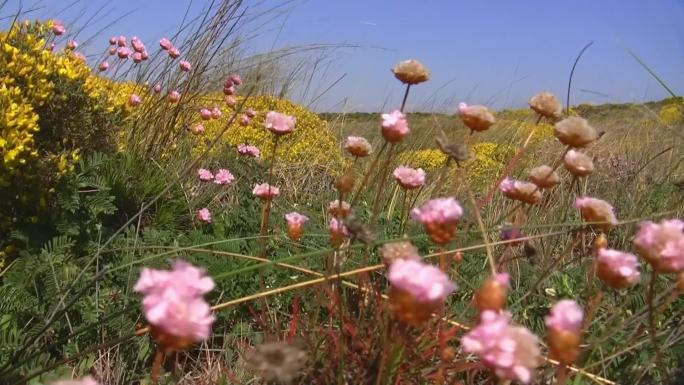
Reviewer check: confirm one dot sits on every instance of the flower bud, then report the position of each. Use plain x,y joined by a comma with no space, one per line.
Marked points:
492,294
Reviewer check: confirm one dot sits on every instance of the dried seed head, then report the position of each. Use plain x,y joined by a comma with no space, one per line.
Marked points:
544,177
477,118
492,294
359,231
578,164
411,72
575,132
345,183
546,104
277,361
391,252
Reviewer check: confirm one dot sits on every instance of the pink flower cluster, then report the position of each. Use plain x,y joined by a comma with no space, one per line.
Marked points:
358,146
222,177
565,315
511,351
204,215
662,245
296,219
173,300
265,191
247,150
425,283
138,51
409,178
166,45
279,124
596,210
58,28
394,126
438,211
618,269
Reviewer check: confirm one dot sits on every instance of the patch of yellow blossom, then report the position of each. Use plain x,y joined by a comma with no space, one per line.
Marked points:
28,73
427,159
311,143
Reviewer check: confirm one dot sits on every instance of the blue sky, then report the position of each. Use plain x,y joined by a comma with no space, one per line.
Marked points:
497,52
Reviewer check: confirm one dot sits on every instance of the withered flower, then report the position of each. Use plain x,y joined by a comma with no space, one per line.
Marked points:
411,72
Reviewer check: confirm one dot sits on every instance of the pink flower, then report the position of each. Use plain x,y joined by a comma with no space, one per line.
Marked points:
123,53
438,211
244,120
204,215
204,175
72,45
236,79
52,47
522,191
511,351
230,101
216,113
565,315
88,380
596,210
265,191
174,53
205,114
121,41
440,218
157,88
165,44
223,177
617,269
112,50
58,27
662,245
227,83
336,208
247,150
228,91
144,55
358,146
197,129
112,40
137,45
172,300
296,219
426,283
185,65
394,126
137,57
409,178
174,96
279,124
250,113
338,232
103,66
134,100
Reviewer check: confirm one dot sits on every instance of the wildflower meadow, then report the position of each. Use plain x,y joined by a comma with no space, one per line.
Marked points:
170,215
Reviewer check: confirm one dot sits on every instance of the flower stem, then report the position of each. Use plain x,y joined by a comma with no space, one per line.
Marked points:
381,186
403,102
652,319
156,365
367,175
267,204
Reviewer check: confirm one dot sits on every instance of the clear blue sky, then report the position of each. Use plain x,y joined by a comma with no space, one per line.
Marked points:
496,52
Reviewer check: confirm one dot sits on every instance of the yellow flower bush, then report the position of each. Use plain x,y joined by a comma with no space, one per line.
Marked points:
486,161
427,159
52,110
311,143
670,113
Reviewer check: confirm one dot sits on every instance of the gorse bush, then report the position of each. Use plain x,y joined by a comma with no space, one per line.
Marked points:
54,112
312,144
